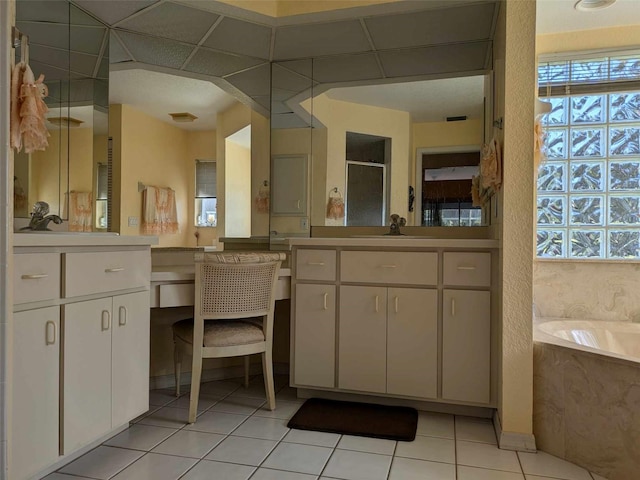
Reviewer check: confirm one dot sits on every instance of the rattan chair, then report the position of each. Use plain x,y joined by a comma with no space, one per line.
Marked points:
233,316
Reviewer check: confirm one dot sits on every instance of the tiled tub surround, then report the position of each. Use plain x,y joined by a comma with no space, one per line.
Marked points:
587,406
236,438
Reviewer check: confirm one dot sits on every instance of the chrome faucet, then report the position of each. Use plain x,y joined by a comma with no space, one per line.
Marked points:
39,218
396,222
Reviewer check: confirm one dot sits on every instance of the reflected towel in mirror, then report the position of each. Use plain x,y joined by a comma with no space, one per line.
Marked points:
159,211
80,211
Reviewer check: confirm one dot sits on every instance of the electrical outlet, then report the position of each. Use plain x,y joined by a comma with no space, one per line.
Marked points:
304,223
133,221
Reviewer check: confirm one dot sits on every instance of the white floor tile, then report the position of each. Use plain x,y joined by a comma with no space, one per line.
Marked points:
309,437
284,410
349,465
483,455
475,430
140,437
435,425
204,402
102,462
265,428
288,394
152,408
428,448
238,405
294,457
243,450
207,470
268,474
162,397
220,387
411,469
473,473
62,476
216,422
156,467
188,443
167,417
597,477
546,465
255,390
367,444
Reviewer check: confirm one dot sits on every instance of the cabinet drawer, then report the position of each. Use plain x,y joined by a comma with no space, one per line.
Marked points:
36,277
99,272
416,268
467,268
316,265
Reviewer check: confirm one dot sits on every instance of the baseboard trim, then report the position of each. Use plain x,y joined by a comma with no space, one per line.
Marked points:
521,442
223,373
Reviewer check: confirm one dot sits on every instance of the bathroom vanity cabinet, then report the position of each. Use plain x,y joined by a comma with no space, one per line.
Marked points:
397,318
80,363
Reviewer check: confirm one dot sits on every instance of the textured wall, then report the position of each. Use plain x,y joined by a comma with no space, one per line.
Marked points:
516,229
587,410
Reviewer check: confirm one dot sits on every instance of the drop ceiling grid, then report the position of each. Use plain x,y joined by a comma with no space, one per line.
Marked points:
113,11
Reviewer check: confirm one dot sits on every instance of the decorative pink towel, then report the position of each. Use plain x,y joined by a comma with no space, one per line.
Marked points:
159,211
32,112
80,211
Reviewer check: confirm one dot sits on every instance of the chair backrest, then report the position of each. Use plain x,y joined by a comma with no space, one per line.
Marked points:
236,285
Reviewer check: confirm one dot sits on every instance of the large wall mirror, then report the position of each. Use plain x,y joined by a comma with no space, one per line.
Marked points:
71,49
391,115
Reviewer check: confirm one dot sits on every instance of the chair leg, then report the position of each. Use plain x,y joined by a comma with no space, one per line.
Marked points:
267,371
196,373
247,362
177,365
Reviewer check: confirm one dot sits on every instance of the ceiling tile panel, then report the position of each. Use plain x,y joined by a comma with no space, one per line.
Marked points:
117,53
170,20
156,51
263,101
54,11
253,82
444,59
209,62
52,73
432,27
314,40
284,79
303,67
345,68
87,39
103,69
83,63
80,17
112,11
51,56
240,37
49,34
288,120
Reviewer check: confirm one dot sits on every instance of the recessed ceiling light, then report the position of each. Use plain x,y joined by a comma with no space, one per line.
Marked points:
69,122
589,5
183,117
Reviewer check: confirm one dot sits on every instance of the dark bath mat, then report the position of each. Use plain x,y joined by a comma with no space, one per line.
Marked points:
353,418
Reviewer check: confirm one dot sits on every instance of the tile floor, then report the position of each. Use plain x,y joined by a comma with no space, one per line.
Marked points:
235,438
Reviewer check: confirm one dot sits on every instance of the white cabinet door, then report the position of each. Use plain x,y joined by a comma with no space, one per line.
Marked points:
362,358
35,392
315,336
130,357
412,342
87,372
466,346
289,189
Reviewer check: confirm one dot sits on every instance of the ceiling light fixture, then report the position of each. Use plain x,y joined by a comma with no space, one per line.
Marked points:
68,122
590,5
183,117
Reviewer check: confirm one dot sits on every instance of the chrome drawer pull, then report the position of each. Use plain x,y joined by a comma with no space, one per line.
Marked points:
122,316
453,307
325,296
112,270
106,319
316,264
388,266
50,326
396,304
377,304
463,267
34,276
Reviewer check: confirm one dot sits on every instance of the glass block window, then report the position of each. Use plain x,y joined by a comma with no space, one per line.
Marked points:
588,190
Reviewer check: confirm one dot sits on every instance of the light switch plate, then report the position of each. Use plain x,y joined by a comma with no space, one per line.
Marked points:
133,221
304,223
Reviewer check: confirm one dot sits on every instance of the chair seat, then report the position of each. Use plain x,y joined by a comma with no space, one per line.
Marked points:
222,333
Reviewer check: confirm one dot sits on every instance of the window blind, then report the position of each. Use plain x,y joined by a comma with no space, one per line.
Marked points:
205,179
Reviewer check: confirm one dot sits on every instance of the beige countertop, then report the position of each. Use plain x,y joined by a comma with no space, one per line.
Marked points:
387,241
78,239
186,273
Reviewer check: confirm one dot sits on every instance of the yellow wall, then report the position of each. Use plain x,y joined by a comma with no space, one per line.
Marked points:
612,37
154,153
260,170
341,117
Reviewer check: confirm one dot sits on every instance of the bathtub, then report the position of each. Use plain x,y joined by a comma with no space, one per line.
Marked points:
586,386
614,339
